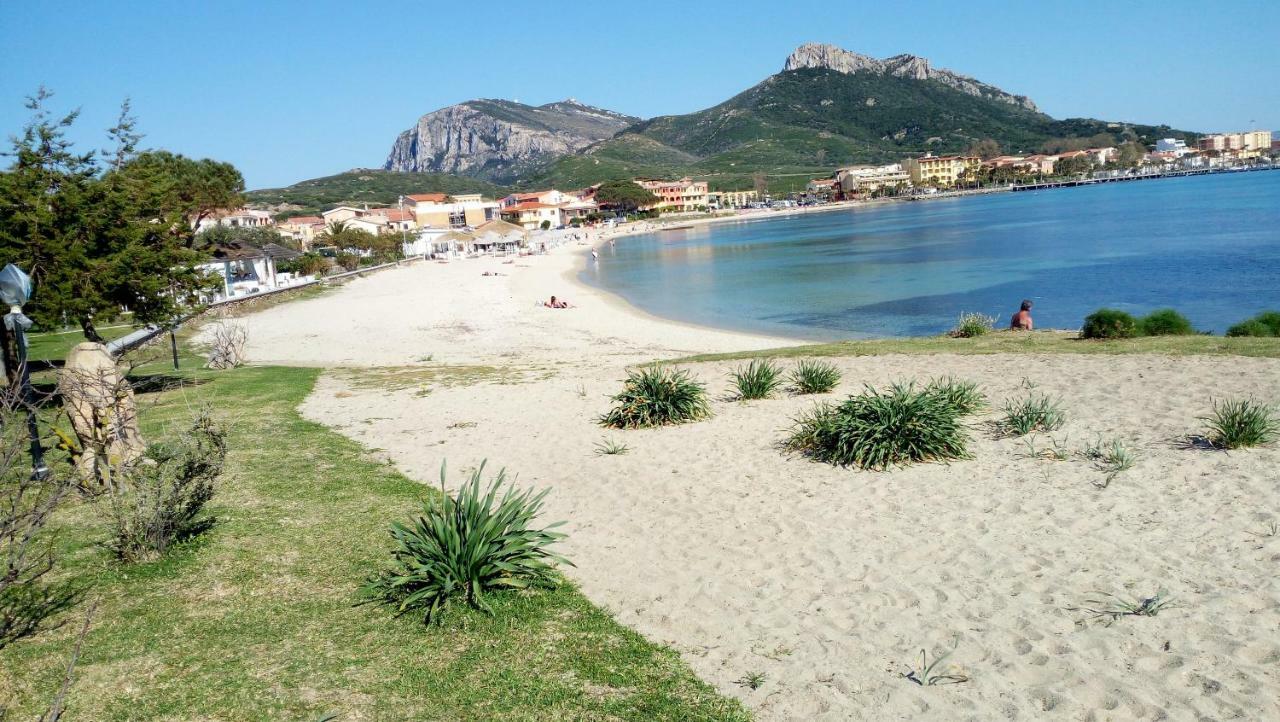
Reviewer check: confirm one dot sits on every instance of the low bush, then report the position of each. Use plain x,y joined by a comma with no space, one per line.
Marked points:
1108,323
962,396
1240,423
972,325
656,396
1266,324
1033,413
159,499
814,377
876,430
1165,322
757,380
466,547
1250,328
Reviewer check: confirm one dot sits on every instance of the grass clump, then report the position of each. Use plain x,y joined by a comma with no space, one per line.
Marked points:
932,674
1031,414
1112,457
963,396
611,447
657,396
467,546
811,376
1109,607
1241,423
1165,322
972,325
876,430
757,380
1108,323
1264,325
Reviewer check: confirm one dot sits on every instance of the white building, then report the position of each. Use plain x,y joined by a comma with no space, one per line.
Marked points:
1176,146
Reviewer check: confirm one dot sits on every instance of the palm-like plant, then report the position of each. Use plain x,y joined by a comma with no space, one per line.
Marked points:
467,547
656,396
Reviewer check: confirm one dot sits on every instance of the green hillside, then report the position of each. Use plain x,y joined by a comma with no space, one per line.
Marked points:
814,119
364,186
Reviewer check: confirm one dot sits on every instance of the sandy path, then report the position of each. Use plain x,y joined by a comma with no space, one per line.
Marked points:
830,581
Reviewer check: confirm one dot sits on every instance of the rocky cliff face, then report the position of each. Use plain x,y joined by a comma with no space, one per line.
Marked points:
815,55
498,140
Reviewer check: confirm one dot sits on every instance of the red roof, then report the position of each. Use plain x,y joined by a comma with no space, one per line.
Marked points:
527,206
436,197
303,220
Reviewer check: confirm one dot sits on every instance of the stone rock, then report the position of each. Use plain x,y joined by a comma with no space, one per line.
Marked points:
498,139
818,55
103,415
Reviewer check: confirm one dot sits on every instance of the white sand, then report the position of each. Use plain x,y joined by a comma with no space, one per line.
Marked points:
830,581
452,313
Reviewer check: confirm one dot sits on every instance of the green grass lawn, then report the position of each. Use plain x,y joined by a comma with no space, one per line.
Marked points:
256,619
1048,342
54,345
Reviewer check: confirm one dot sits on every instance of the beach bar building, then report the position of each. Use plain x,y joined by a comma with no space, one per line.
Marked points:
247,269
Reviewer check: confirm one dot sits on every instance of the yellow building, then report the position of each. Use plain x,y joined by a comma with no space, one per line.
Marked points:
943,171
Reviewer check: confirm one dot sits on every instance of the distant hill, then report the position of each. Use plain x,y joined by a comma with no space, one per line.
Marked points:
499,140
360,186
830,107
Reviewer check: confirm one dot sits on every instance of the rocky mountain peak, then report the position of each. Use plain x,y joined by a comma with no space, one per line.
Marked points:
821,55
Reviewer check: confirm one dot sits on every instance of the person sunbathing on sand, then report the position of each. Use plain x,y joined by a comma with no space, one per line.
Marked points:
1021,320
553,303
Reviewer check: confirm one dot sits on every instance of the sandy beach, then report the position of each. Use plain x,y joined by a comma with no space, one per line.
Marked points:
826,581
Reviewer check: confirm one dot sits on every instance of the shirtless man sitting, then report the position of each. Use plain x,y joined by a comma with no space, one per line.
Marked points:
1021,320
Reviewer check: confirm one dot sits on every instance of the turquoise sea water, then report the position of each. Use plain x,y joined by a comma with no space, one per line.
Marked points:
1206,245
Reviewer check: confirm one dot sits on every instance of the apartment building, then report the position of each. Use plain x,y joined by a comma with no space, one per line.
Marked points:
943,171
865,179
683,195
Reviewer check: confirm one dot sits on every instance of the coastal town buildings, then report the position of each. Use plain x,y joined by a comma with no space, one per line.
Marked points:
732,199
825,188
866,179
1245,144
683,195
236,218
439,210
301,229
943,171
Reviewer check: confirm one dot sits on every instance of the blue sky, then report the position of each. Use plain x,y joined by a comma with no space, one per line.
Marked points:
295,90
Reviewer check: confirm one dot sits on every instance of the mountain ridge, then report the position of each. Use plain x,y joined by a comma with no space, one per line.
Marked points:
497,140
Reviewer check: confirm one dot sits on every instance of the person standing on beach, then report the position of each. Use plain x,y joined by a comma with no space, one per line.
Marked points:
1021,320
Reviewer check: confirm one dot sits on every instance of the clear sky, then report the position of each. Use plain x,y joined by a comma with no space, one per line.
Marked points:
294,90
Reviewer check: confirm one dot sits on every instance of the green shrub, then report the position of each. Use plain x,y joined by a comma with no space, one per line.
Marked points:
962,396
159,499
972,325
814,377
757,380
1033,413
876,430
466,547
1252,327
1265,324
1109,323
1165,322
1239,423
655,396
